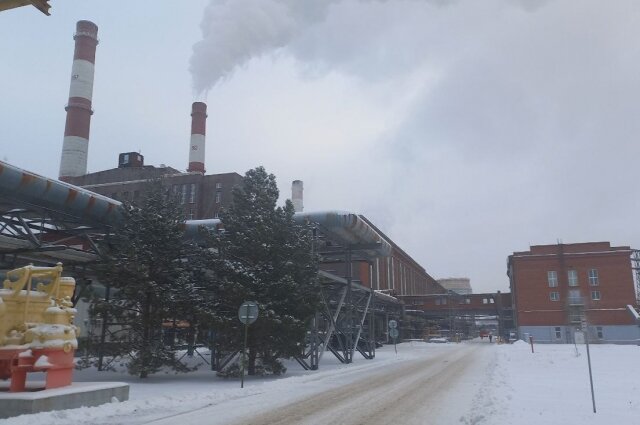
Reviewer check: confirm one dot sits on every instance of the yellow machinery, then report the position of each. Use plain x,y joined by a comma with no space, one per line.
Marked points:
36,326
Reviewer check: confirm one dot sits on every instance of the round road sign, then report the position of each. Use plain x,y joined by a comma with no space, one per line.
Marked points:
393,324
248,312
393,333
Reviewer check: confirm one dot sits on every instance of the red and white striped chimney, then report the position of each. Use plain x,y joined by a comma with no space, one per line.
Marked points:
76,130
198,132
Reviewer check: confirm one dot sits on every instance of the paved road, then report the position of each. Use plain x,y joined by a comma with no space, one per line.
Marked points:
411,393
416,391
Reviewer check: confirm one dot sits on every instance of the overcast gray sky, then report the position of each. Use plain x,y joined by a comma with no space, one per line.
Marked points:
465,129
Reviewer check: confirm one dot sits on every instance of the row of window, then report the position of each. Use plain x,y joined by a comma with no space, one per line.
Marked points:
466,300
572,277
187,193
126,195
574,296
558,332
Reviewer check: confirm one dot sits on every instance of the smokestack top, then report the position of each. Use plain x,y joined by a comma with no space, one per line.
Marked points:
86,29
87,26
199,107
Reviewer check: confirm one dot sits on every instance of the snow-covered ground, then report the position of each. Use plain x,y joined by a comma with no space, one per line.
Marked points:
498,384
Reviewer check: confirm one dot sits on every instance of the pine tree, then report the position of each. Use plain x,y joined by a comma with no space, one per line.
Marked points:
147,268
264,256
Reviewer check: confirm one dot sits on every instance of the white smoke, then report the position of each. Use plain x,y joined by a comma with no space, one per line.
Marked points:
234,31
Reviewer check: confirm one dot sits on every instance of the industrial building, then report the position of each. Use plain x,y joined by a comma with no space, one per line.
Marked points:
203,196
560,289
459,285
363,273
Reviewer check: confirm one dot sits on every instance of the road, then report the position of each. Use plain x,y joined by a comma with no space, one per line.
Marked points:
415,391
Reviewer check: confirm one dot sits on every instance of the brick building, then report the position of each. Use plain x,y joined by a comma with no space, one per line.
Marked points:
399,274
556,289
202,196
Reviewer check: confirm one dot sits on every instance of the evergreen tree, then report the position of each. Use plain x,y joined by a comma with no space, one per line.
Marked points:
264,256
147,269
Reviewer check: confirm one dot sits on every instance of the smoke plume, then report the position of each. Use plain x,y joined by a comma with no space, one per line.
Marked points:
234,31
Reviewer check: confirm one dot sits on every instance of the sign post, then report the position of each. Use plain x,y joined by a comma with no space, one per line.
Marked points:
247,313
586,340
393,333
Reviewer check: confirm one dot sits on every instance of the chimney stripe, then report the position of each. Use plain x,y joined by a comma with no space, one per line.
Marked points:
81,86
78,122
74,156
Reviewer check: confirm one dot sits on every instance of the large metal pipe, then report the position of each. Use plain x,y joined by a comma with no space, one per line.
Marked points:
26,187
349,228
75,146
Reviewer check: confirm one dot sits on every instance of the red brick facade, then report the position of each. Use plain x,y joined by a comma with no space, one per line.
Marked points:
548,280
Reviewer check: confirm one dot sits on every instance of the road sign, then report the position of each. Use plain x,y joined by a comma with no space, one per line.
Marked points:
393,324
393,333
248,312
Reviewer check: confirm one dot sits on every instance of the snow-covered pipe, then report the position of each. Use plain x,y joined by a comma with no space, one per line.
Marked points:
26,187
31,188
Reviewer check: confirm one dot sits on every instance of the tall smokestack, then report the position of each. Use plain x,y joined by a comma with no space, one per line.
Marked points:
76,130
198,132
296,195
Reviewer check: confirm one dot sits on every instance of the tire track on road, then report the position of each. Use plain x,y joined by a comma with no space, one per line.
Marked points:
396,396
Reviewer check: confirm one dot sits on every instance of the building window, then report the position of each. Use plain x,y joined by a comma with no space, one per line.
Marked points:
491,301
558,332
554,296
467,300
183,198
216,215
218,185
552,278
192,193
191,214
218,197
572,275
599,332
595,295
593,277
437,301
574,296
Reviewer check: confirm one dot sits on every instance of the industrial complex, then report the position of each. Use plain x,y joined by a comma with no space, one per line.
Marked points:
367,279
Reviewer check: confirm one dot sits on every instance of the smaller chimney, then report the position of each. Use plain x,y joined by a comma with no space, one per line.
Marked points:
296,195
198,132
